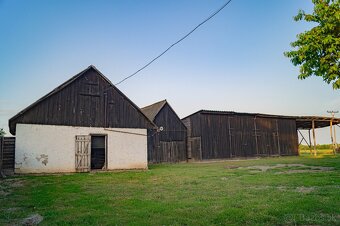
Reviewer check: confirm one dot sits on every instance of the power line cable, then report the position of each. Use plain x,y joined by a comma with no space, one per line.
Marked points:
184,37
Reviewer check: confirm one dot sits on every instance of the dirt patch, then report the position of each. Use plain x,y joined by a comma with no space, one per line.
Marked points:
288,168
231,167
301,189
7,185
305,190
298,171
34,219
4,193
264,187
268,167
13,209
282,188
17,184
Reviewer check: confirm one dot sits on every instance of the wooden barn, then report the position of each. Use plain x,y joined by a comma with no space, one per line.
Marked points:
169,144
224,134
84,124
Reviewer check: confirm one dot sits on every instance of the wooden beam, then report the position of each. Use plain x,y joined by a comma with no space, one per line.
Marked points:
303,139
331,130
310,142
336,144
313,131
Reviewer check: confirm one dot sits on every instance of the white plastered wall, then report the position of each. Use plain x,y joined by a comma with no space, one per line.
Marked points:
51,149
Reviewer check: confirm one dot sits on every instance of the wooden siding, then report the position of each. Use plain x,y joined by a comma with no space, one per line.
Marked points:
90,100
219,136
7,155
168,145
194,130
289,142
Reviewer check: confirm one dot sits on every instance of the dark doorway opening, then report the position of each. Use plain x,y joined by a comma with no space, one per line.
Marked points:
98,151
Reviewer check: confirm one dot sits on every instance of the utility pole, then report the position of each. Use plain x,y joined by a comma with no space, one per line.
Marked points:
333,138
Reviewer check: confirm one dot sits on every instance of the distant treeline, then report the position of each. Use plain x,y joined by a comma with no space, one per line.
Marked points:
318,146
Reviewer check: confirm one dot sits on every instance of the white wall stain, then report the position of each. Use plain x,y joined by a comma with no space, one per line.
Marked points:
44,159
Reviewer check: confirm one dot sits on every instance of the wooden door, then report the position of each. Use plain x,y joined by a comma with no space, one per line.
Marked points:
196,148
83,153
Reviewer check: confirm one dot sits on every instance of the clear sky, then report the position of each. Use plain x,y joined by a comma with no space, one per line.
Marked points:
233,62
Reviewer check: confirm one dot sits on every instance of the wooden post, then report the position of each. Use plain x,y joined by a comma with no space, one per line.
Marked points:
331,130
336,144
313,131
310,142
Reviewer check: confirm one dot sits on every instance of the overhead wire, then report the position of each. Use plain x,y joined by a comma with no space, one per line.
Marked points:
175,43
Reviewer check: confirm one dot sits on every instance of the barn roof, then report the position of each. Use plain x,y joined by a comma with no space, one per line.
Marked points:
212,112
152,110
68,82
302,122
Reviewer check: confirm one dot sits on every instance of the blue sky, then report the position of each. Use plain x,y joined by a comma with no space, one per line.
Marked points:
233,62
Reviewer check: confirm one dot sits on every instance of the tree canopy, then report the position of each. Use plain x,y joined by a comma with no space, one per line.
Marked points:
2,132
317,51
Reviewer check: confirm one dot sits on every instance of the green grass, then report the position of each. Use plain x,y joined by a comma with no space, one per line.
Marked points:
213,193
319,152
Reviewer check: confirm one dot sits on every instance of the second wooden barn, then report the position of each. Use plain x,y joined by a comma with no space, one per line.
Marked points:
169,143
224,134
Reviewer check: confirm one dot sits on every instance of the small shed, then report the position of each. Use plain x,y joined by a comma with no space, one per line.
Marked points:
84,124
169,143
226,134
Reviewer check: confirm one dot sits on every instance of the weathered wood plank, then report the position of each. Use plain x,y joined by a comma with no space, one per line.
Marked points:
240,135
81,103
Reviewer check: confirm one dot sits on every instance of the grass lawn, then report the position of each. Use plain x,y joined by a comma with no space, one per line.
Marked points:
269,191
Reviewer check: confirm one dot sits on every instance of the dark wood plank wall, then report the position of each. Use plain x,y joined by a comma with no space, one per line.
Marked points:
187,124
7,155
214,137
153,146
88,101
168,145
289,143
226,136
241,136
194,132
267,138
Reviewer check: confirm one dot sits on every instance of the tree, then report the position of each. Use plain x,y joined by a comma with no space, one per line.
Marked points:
2,132
317,51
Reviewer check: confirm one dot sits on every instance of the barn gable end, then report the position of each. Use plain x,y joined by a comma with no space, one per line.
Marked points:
169,145
88,99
